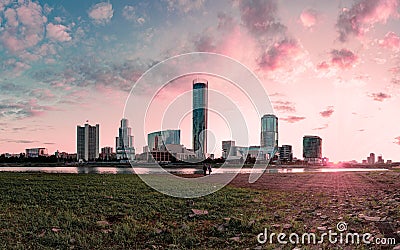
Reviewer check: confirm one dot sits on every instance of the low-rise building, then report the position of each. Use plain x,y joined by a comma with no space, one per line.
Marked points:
36,152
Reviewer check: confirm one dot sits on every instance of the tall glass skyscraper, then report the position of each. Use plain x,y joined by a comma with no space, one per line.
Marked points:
200,115
124,142
269,134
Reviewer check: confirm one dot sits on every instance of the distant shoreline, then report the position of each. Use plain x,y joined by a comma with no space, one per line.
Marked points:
188,165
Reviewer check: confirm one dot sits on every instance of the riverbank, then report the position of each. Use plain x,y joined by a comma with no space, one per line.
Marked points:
62,211
189,165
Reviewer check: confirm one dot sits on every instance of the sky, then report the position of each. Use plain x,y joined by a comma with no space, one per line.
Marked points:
331,68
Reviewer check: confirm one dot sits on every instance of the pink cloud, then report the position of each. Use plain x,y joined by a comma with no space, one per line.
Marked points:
185,6
309,18
225,22
391,41
227,38
31,15
205,43
101,13
46,49
130,14
57,19
293,119
11,17
25,55
58,32
363,15
277,94
259,17
42,94
12,43
328,112
24,27
325,126
343,58
4,3
380,97
22,108
277,56
284,106
19,67
323,65
394,70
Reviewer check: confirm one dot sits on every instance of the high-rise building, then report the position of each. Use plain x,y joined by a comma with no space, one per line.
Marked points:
124,142
200,115
380,160
157,140
87,142
269,134
312,149
228,149
285,153
371,158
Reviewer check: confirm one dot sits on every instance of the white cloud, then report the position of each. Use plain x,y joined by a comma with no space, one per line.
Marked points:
58,19
11,17
130,14
101,13
58,32
185,6
24,27
309,18
4,3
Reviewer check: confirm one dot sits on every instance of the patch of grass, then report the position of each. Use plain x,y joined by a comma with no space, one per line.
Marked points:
92,211
116,211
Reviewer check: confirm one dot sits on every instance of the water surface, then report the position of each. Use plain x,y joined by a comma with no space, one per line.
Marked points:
189,170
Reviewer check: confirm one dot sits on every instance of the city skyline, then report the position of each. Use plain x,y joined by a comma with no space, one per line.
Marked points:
169,141
326,73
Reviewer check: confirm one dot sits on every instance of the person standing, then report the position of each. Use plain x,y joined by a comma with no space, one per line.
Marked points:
205,169
209,169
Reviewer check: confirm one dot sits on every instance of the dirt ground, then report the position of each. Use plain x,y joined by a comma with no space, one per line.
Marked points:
366,201
337,183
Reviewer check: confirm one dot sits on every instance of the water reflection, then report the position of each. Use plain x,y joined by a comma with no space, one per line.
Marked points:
147,170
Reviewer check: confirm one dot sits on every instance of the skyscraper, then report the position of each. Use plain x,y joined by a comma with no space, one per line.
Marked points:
87,142
312,149
371,158
124,142
200,115
269,134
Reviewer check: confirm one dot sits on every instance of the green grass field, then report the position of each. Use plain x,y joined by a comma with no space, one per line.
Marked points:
117,211
92,211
